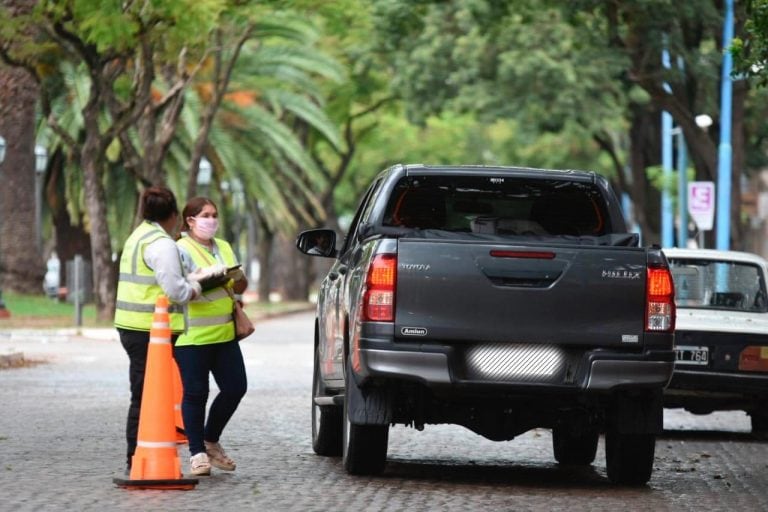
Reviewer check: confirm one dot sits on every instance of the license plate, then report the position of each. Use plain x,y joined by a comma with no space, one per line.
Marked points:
691,355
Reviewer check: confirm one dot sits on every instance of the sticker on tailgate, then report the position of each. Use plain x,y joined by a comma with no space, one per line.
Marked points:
413,331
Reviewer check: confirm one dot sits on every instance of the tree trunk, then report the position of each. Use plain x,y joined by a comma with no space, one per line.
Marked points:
738,142
104,278
21,265
638,134
264,252
293,270
71,237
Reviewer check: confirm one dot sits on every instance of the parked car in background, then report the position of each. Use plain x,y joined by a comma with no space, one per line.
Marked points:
721,339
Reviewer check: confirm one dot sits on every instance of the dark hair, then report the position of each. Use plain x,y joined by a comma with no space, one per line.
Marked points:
158,204
193,208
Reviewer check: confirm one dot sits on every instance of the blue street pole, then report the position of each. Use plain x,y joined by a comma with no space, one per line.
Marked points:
682,193
723,219
667,215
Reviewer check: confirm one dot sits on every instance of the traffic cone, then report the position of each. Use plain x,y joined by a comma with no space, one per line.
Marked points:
155,463
178,394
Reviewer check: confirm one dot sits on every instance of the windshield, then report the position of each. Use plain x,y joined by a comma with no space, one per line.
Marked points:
498,206
706,284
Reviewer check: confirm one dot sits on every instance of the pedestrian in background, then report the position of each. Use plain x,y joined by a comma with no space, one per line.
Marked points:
209,345
149,266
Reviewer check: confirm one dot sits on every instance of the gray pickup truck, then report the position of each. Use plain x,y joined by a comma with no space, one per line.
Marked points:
501,299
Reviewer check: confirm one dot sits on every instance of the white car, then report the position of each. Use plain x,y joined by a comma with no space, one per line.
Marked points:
721,335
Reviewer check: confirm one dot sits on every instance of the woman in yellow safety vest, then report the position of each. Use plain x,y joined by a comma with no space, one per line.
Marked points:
209,345
150,265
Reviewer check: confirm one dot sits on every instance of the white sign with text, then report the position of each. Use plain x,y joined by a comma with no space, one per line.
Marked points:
701,203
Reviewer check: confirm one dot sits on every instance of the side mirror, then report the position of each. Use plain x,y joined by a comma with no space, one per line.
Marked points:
317,242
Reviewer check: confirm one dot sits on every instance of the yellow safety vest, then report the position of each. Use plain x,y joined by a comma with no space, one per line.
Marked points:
210,315
137,288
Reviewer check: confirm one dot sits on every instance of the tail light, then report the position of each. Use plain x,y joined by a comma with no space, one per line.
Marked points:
379,298
754,359
660,301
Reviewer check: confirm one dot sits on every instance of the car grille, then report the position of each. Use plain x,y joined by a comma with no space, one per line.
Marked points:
524,363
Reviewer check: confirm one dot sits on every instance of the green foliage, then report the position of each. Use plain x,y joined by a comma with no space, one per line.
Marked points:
112,26
751,51
668,182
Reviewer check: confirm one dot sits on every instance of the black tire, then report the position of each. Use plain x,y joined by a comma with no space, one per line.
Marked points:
364,446
629,457
759,425
577,449
327,421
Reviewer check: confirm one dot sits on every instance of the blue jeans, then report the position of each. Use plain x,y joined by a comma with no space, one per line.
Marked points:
225,362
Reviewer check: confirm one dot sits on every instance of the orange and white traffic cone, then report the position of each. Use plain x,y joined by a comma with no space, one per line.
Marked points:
178,395
155,463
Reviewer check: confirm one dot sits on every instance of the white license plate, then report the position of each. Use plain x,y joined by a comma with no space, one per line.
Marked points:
691,355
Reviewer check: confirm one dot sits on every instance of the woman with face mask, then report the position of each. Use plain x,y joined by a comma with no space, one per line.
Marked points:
208,345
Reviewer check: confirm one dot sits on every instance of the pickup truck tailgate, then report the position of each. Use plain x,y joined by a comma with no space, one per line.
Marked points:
462,291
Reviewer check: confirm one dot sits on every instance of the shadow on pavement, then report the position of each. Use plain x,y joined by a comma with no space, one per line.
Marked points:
711,435
537,476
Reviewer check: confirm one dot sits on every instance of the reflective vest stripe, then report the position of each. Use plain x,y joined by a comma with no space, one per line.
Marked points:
145,308
131,278
207,321
139,243
215,294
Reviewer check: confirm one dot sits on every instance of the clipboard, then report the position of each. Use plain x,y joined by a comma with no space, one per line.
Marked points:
214,282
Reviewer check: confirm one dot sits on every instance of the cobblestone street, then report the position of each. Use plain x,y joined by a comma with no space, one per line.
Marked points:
62,442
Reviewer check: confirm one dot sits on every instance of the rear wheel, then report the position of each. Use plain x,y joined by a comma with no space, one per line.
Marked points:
629,457
327,421
365,446
574,448
759,424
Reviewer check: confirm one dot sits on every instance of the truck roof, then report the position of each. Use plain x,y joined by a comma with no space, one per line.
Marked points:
499,170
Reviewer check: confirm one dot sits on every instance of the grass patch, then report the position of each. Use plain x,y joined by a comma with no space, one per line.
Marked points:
39,312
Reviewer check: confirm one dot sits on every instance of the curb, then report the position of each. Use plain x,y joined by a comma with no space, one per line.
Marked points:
11,360
16,359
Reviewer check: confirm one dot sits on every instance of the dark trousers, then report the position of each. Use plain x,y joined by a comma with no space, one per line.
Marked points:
136,344
225,362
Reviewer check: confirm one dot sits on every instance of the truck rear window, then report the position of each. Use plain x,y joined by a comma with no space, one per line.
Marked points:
498,206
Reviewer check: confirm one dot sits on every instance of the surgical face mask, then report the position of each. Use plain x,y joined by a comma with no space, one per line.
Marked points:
206,227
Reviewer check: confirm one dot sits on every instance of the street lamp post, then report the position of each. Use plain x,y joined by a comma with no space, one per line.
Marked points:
204,172
4,313
41,162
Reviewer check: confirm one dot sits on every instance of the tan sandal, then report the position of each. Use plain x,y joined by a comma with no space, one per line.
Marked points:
218,457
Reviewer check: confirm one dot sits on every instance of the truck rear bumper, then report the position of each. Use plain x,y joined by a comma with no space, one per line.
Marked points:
606,375
600,370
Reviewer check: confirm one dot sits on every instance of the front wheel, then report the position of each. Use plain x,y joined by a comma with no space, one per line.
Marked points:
629,457
327,421
365,446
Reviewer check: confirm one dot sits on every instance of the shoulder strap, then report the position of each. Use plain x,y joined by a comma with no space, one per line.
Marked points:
206,256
